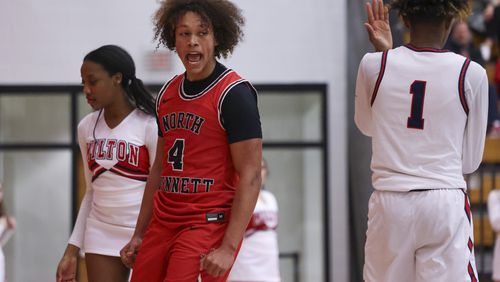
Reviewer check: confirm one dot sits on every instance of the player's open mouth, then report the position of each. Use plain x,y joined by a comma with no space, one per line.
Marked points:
193,57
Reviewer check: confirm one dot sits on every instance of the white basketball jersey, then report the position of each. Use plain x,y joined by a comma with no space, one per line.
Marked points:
117,162
426,111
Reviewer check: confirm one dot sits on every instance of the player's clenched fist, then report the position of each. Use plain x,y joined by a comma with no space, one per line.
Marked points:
217,262
129,252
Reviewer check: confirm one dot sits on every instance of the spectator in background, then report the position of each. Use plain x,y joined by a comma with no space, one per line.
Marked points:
491,18
460,42
258,259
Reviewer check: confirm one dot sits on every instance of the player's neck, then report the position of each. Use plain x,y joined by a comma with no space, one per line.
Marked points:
429,40
429,35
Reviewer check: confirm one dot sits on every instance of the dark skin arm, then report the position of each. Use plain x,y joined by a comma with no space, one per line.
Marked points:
247,158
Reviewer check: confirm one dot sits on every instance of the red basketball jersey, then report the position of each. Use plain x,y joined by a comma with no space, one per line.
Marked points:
198,179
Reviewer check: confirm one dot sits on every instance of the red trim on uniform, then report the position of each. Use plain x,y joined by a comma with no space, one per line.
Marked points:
124,168
425,49
380,75
471,273
186,97
470,243
140,177
461,85
97,173
467,207
92,164
130,169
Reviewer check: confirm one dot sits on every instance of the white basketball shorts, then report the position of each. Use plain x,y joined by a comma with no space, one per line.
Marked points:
419,236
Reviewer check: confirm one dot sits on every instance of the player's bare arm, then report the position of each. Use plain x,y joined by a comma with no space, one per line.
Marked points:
377,25
247,156
129,251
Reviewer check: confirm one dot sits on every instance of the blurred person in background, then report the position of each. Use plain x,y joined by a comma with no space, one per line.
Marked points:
7,226
460,42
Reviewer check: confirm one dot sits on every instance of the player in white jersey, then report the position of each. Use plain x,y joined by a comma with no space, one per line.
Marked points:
118,145
258,259
426,112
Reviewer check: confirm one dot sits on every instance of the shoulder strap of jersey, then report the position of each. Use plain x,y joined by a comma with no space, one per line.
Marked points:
383,63
162,91
461,85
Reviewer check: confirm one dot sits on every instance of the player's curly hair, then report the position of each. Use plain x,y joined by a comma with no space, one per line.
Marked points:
223,16
431,9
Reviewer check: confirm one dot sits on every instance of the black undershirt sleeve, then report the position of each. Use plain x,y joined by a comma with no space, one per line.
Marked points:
240,114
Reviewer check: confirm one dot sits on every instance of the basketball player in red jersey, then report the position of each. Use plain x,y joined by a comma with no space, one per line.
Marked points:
206,178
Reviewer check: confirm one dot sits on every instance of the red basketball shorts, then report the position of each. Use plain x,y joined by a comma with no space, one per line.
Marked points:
173,255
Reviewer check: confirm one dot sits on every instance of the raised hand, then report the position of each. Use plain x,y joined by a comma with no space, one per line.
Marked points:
377,25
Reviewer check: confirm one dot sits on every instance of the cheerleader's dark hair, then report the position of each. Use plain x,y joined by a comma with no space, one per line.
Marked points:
115,59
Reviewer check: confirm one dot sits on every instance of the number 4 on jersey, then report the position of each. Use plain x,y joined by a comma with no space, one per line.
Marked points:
176,154
417,89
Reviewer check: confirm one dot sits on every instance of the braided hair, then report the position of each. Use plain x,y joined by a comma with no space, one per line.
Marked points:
223,16
115,59
431,9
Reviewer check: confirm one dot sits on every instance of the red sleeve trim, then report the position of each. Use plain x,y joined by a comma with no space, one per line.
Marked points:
380,75
461,85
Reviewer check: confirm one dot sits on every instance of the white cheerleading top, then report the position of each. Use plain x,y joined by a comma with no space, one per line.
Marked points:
116,165
258,259
426,111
